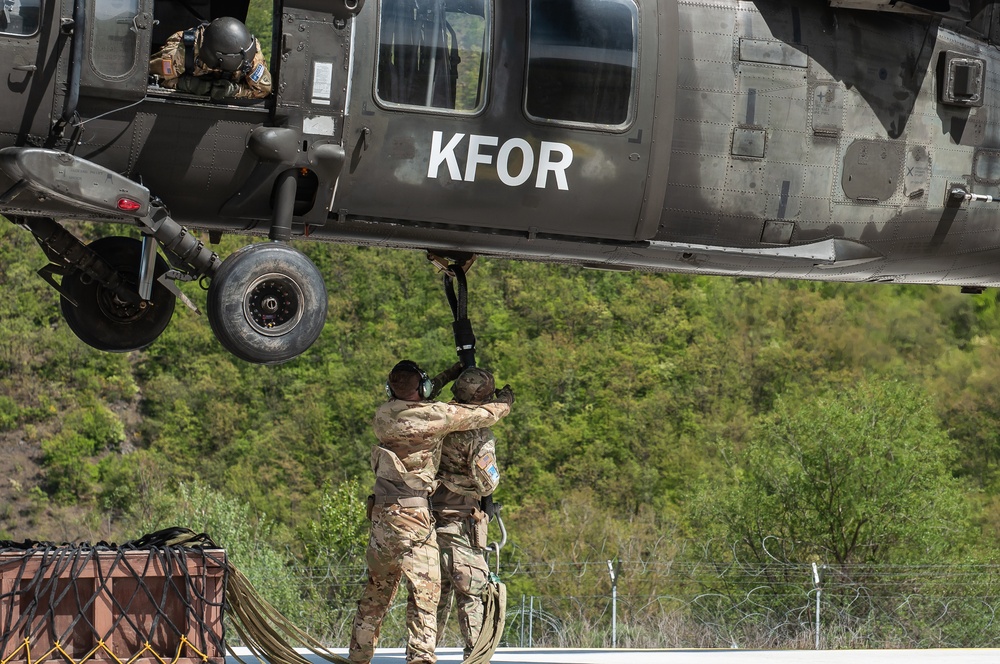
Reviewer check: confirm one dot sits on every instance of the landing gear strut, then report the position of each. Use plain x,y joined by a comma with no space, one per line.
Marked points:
267,302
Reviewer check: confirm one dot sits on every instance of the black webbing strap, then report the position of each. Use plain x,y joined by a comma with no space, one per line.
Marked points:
465,339
188,39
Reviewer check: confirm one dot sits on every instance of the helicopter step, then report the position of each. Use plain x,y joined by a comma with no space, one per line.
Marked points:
266,302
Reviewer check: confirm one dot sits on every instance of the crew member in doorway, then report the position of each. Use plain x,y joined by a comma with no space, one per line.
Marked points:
220,59
402,544
468,474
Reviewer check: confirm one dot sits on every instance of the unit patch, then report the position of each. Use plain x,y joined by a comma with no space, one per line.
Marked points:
257,72
488,465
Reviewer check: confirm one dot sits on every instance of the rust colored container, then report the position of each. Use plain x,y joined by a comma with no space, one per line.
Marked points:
81,604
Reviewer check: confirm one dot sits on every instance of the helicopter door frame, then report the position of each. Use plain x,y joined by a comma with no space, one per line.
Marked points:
316,58
29,37
117,44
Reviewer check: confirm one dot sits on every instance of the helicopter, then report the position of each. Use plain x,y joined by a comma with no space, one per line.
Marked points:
836,140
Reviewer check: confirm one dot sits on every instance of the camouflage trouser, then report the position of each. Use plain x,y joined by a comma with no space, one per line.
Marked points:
464,571
402,544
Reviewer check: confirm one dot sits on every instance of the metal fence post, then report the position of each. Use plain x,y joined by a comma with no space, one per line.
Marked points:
614,605
819,593
531,622
520,642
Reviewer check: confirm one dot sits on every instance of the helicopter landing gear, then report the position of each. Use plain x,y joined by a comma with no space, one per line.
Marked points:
104,318
267,303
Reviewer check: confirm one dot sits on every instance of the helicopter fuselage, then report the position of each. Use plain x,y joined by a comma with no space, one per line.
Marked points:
851,140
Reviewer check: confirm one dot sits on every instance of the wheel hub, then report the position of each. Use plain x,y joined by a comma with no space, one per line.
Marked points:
118,309
272,304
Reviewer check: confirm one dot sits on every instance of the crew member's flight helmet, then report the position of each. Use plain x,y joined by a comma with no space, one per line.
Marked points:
226,44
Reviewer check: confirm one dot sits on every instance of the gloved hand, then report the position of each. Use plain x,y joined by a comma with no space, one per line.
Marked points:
505,395
194,85
487,505
223,89
445,377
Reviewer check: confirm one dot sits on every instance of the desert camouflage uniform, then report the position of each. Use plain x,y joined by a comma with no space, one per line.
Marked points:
464,573
402,541
168,65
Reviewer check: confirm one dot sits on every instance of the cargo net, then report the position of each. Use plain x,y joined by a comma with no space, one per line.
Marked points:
159,599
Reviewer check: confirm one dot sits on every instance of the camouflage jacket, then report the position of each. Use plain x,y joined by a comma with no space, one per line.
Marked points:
168,65
456,468
413,432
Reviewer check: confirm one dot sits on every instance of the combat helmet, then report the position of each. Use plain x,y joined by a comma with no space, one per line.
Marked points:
474,385
227,44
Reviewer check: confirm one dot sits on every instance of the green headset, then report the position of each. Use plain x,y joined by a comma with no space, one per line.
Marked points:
424,389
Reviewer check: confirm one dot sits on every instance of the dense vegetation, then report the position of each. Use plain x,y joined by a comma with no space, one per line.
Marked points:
658,418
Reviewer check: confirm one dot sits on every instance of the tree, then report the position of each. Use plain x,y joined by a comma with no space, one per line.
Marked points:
233,526
858,476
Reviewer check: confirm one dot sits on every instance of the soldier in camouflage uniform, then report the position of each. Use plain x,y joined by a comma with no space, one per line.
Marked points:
467,473
219,59
402,543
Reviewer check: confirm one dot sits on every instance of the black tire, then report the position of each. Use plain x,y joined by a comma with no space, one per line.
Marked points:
103,320
267,303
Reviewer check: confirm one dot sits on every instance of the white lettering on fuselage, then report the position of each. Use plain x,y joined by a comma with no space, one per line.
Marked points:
553,159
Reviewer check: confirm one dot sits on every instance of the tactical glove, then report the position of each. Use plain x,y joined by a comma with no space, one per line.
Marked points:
222,89
194,85
487,505
445,377
505,395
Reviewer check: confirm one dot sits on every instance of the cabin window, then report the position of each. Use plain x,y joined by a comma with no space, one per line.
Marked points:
433,54
114,37
582,59
19,17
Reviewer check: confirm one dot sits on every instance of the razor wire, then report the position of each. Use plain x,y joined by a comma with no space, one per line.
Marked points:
692,603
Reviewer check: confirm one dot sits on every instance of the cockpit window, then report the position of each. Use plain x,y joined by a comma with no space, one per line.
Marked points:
19,17
114,37
582,59
433,54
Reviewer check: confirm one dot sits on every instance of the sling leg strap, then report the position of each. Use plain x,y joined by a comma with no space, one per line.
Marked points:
494,612
465,339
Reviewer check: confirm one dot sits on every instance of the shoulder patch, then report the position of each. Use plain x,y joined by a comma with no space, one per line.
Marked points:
168,67
257,73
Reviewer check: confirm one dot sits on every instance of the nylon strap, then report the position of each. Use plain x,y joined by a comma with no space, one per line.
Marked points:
189,38
494,612
402,501
465,339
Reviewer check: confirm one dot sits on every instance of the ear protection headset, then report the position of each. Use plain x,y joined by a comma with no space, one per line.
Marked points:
425,387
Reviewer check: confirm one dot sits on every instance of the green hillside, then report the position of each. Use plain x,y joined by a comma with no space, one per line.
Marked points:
655,414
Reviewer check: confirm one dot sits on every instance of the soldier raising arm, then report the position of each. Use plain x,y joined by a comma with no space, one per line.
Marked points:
402,543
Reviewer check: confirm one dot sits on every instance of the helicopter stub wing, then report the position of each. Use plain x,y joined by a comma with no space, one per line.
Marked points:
73,180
